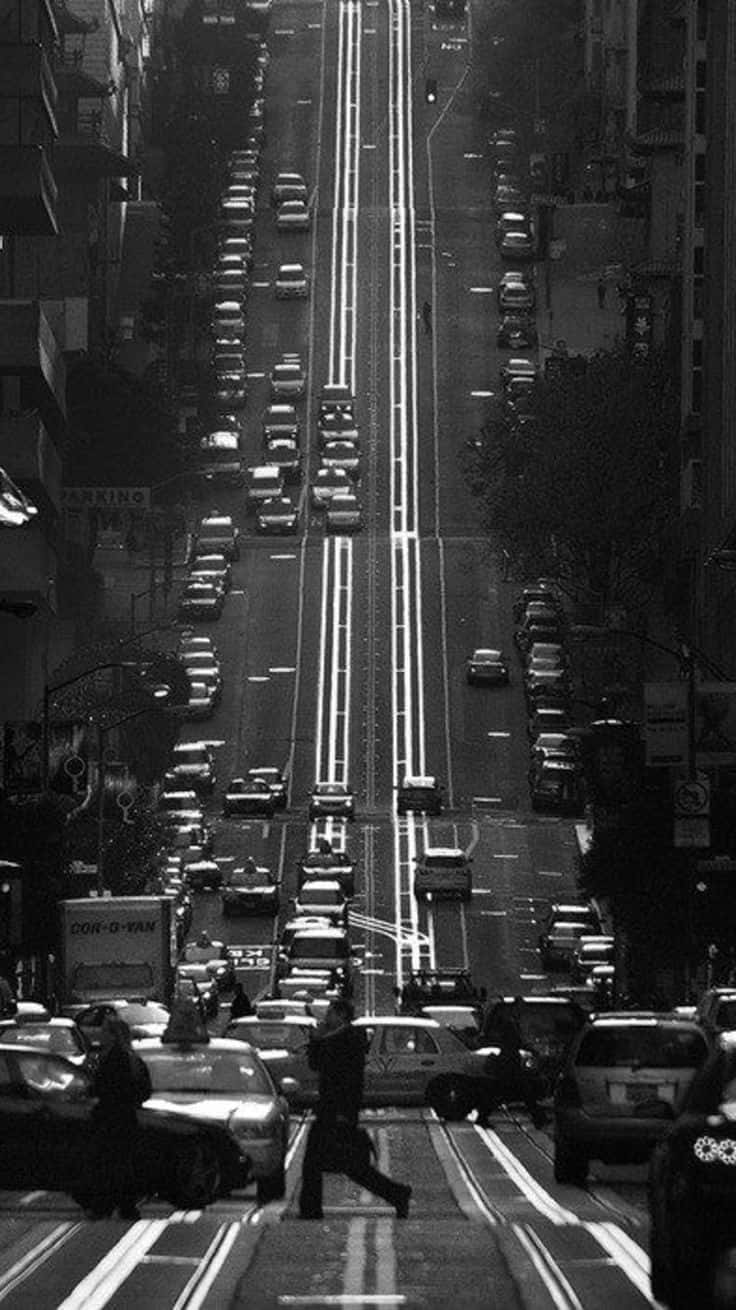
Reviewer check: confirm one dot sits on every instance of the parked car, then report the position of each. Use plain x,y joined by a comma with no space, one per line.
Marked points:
692,1191
617,1095
344,513
291,282
516,331
193,765
293,216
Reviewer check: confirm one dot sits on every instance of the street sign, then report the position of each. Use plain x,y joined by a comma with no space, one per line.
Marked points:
666,724
692,798
106,498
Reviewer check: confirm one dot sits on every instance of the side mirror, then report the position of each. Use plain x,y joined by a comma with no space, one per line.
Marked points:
289,1086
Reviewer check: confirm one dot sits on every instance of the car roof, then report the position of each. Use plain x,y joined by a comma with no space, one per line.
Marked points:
292,1019
485,652
443,850
221,1044
395,1021
419,780
331,932
330,884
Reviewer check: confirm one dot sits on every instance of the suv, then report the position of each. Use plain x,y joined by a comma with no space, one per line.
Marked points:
618,1092
548,1025
322,949
422,794
443,872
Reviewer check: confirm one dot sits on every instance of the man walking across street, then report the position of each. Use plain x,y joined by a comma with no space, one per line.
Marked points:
336,1144
427,318
507,1079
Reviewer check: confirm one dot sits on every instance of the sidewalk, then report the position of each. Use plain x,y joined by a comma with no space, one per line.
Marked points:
133,597
591,242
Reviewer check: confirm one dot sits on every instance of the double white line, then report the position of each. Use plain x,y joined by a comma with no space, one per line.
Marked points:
332,743
407,656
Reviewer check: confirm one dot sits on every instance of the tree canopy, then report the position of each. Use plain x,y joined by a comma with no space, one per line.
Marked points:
584,486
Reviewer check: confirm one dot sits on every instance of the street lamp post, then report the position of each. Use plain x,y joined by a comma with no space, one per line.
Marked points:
50,691
161,693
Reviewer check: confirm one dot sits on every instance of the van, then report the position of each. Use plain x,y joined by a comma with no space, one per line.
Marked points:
443,872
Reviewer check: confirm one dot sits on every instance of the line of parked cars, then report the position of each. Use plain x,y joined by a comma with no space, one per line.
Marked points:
517,246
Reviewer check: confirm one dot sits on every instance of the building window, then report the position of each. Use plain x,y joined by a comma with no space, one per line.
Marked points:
699,196
696,377
698,280
700,68
701,20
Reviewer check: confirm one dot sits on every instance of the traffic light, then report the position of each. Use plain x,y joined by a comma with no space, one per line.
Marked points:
430,90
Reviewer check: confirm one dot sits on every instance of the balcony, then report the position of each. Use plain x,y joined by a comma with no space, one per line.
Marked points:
29,350
84,149
28,567
27,76
28,192
29,456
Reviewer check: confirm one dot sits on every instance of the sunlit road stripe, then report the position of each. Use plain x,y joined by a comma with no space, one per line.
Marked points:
32,1261
556,1285
194,1294
407,656
626,1253
527,1185
94,1291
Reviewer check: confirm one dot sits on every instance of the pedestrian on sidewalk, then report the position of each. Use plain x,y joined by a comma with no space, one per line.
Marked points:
336,1143
601,293
427,318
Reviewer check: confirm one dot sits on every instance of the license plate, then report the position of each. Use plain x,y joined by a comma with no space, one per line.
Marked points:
637,1093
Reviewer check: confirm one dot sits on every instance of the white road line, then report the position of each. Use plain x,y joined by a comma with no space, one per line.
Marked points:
100,1285
195,1292
527,1185
37,1256
627,1254
560,1291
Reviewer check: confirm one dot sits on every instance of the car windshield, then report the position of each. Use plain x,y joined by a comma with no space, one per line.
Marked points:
43,1037
249,878
207,1071
269,1035
331,789
319,948
320,896
651,1047
726,1014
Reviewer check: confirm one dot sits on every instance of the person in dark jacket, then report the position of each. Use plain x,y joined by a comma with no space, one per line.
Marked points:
122,1083
240,1005
508,1080
335,1143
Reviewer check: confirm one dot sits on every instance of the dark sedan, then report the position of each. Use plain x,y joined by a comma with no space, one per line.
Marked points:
692,1191
47,1138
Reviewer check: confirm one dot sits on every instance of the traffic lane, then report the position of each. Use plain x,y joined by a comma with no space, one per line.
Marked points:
360,1251
518,1238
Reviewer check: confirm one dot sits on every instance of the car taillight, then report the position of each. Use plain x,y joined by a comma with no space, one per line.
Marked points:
567,1093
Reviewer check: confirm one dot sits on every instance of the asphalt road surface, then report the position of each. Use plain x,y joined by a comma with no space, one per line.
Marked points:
344,658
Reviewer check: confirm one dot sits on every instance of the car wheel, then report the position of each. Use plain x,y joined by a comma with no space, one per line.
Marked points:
197,1178
449,1097
570,1164
271,1188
